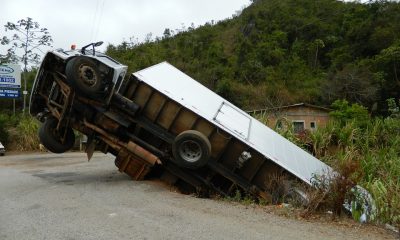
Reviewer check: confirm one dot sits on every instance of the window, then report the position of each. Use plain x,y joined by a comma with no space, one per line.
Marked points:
298,126
313,125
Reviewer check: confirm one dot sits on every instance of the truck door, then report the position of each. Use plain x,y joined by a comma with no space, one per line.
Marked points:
234,120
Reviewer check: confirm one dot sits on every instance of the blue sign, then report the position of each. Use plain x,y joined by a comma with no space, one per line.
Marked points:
10,76
9,93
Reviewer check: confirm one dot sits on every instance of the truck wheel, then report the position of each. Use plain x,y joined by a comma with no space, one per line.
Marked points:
84,75
191,149
51,139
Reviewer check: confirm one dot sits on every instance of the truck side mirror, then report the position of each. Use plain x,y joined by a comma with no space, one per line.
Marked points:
98,43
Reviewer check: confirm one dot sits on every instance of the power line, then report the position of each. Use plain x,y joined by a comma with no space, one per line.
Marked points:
94,21
99,21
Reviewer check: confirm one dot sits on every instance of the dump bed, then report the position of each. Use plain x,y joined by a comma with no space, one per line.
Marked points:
182,89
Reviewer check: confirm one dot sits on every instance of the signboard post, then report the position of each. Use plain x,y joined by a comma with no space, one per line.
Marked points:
10,82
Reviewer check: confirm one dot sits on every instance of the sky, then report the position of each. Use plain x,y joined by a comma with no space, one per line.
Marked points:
84,21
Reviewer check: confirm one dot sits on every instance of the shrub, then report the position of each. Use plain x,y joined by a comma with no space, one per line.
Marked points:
6,122
364,151
374,150
3,129
331,191
344,112
27,137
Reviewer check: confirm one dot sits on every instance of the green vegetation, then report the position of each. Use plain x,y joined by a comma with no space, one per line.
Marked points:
286,51
365,150
19,132
7,122
374,146
3,129
27,137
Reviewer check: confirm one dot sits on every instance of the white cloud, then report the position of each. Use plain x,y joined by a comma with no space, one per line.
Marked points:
112,21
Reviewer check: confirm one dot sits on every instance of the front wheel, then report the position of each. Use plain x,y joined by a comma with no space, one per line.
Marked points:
53,139
83,74
191,149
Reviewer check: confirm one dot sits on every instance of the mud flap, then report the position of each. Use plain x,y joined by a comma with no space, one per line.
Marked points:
90,147
134,166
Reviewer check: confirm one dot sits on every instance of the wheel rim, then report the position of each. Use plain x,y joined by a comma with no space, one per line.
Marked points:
190,151
87,75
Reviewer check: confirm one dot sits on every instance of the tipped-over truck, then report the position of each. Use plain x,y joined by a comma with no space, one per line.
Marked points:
159,120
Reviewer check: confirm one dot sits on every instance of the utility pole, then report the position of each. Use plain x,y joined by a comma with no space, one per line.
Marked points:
25,58
24,92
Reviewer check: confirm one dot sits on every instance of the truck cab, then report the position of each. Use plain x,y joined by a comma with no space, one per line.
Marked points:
92,74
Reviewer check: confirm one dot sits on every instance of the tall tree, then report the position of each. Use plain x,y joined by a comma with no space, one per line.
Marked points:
29,37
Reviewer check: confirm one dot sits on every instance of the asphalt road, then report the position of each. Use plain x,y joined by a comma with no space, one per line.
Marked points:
48,196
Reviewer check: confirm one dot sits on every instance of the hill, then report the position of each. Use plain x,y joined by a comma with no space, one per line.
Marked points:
284,51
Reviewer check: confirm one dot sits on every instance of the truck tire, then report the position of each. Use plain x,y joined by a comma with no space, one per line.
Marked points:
84,76
191,149
51,139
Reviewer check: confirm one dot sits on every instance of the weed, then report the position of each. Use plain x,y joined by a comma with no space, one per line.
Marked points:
277,186
27,129
366,154
243,198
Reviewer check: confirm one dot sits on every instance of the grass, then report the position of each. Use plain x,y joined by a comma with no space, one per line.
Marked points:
367,155
27,129
19,132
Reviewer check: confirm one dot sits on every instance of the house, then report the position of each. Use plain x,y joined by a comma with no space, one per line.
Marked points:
303,116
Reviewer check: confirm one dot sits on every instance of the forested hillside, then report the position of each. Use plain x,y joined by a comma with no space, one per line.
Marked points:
285,51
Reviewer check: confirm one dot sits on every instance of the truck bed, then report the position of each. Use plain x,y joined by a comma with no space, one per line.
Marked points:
174,102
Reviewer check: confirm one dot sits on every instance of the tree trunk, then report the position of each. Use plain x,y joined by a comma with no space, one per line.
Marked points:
25,69
316,58
395,73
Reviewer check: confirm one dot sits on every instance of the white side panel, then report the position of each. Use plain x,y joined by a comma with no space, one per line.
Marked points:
234,120
183,89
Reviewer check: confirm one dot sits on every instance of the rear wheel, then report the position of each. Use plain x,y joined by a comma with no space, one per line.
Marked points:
191,149
53,140
83,74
